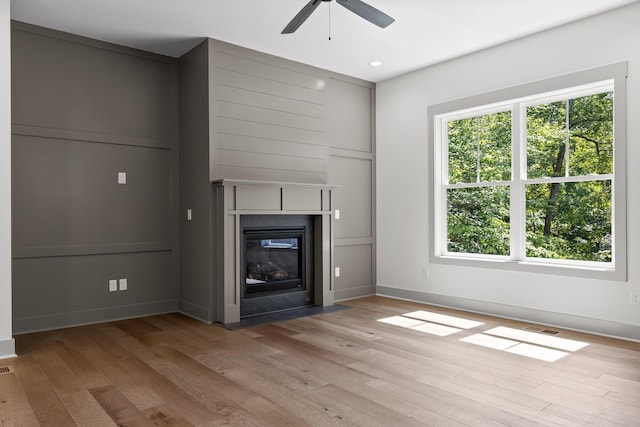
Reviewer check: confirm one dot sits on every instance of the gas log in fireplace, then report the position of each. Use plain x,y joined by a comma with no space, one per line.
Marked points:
276,263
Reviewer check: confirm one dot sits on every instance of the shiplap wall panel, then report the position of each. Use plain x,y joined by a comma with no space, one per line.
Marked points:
272,87
270,146
260,114
272,175
252,64
269,131
270,118
269,161
269,102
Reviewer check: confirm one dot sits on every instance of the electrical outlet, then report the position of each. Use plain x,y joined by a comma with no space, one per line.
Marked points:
122,177
113,285
635,298
337,271
123,284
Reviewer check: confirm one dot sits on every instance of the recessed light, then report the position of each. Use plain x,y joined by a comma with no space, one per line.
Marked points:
375,63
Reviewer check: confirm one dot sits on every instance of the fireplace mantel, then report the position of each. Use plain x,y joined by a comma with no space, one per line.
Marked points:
233,198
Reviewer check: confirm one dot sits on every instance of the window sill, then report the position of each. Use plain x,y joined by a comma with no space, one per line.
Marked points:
531,266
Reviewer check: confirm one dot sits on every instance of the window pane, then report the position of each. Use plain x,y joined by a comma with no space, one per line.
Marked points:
478,220
591,134
569,221
480,148
546,138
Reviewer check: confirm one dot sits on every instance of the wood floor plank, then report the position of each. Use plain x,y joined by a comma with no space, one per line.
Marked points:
143,385
339,368
46,404
164,415
358,411
14,405
119,408
74,395
214,391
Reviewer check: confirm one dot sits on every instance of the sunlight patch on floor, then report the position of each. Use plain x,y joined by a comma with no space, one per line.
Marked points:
536,338
489,341
456,322
431,323
402,321
517,341
435,329
529,344
537,352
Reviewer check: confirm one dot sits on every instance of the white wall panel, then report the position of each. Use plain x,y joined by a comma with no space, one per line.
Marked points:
402,168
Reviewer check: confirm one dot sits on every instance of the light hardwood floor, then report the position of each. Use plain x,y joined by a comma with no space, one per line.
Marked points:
340,368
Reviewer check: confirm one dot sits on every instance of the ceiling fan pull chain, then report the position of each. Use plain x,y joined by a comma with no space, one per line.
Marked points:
329,21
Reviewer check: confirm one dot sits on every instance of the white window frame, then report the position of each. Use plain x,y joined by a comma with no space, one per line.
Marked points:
516,99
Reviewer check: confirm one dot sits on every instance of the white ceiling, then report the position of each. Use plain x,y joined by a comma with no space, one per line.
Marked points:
425,32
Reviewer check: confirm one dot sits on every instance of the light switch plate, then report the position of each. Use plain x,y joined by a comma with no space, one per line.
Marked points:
122,177
337,271
113,285
123,284
337,215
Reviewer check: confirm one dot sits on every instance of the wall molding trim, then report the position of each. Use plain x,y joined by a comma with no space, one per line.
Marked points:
23,325
547,318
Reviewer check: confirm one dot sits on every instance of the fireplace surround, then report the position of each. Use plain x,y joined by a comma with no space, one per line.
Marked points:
249,211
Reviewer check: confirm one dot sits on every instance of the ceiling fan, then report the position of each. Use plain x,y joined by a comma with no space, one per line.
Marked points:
358,7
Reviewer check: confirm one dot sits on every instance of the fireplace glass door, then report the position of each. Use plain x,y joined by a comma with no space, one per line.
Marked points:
274,261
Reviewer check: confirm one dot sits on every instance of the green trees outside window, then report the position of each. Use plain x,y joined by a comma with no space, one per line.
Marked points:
564,179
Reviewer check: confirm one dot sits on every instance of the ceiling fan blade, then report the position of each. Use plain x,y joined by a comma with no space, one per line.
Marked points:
367,12
302,16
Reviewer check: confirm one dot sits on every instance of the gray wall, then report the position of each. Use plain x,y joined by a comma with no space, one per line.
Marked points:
352,166
271,119
195,189
82,111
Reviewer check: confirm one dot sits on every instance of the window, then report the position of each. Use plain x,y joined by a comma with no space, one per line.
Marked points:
533,177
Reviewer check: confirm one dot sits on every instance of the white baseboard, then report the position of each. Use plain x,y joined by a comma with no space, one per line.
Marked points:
547,318
7,348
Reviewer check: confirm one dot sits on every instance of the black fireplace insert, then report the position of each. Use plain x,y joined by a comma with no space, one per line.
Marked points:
276,264
273,260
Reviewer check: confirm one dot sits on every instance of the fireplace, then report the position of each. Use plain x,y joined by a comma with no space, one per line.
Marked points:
287,228
276,263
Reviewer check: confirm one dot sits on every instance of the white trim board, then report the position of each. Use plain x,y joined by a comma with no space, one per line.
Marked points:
7,348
